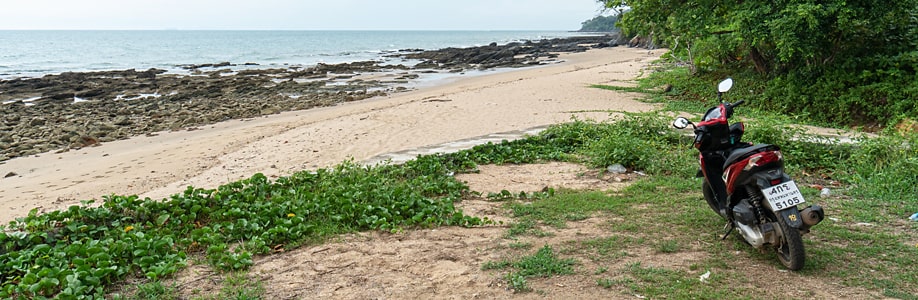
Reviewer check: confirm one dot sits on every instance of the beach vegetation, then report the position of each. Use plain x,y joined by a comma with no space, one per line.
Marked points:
872,182
837,62
86,248
235,285
544,263
83,249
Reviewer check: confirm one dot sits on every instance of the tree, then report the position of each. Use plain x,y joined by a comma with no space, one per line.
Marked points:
822,57
600,24
777,36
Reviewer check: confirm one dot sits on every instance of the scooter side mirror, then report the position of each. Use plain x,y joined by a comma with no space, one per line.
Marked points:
725,85
681,123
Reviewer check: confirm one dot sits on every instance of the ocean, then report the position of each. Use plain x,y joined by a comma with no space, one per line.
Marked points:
37,53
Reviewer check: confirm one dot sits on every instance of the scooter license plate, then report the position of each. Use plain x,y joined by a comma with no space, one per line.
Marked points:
783,196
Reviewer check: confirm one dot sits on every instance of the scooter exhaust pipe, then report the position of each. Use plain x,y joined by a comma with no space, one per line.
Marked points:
812,215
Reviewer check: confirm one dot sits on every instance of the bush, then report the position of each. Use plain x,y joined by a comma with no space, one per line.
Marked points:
885,168
641,142
628,150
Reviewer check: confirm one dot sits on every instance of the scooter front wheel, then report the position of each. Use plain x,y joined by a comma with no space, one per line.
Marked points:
710,198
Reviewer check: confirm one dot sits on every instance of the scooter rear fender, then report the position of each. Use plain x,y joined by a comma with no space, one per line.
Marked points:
763,180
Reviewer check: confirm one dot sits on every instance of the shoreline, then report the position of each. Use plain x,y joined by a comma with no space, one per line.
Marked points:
74,110
163,164
243,59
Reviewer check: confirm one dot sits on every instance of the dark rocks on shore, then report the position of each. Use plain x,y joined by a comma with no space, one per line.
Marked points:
75,110
83,109
517,54
217,65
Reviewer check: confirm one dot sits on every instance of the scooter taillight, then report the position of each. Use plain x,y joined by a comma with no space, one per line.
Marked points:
763,158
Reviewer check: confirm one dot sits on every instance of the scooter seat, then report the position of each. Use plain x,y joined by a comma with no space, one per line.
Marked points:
741,153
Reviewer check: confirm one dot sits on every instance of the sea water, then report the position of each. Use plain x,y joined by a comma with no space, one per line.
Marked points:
36,53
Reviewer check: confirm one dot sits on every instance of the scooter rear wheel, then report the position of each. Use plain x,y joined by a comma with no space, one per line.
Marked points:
790,249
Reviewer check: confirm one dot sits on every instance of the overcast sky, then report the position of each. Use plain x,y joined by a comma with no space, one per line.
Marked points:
297,14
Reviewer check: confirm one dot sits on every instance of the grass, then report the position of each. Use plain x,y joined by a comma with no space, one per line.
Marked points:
841,252
235,285
152,290
238,286
544,263
874,186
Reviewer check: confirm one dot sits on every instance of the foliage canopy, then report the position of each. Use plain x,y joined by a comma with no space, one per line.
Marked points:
824,58
600,24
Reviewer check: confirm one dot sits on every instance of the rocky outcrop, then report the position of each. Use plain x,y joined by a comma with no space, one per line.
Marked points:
645,42
82,109
509,55
74,110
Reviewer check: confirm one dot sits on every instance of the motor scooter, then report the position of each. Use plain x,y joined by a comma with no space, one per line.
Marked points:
746,184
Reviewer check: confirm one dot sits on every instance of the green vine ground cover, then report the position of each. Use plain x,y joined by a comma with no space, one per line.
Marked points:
83,251
80,251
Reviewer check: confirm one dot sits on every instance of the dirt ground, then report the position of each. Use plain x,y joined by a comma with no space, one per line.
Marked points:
446,262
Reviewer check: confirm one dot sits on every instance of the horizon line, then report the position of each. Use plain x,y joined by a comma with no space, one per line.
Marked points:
288,29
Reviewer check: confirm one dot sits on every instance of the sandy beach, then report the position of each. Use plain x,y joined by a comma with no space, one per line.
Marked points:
165,163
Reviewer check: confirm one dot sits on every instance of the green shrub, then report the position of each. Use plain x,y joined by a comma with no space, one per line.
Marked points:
630,151
885,168
644,142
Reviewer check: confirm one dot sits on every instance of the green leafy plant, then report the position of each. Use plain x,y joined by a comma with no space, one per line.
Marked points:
504,195
605,282
668,246
518,283
600,270
543,263
155,290
80,250
496,265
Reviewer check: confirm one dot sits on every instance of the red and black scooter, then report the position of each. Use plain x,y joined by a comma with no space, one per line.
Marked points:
746,185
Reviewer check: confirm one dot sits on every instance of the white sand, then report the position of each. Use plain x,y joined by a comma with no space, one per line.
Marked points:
278,145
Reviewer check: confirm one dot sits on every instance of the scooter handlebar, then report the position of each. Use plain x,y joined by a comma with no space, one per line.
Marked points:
731,106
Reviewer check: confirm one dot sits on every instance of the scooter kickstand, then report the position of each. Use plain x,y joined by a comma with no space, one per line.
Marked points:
729,228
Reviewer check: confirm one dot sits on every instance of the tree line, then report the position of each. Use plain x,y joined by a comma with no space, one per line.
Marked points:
600,24
839,61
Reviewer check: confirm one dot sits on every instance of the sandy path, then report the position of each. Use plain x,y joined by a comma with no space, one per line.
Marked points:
163,164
